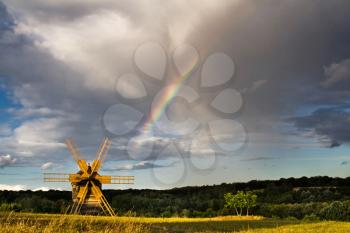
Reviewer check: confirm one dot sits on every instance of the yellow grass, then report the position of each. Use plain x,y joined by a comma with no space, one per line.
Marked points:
24,222
324,227
179,220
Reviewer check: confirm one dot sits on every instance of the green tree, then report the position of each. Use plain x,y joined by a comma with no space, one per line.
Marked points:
239,201
235,201
250,200
231,202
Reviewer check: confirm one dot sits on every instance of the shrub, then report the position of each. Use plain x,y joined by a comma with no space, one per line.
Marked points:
336,211
291,218
311,217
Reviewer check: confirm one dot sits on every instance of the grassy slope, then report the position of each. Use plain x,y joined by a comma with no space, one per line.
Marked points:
58,223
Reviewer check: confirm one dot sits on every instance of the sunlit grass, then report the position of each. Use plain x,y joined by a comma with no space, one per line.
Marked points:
26,222
68,223
324,227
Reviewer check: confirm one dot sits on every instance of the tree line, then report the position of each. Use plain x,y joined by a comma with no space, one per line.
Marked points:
319,197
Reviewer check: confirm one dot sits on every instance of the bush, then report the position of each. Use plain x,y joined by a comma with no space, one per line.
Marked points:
166,214
336,211
291,218
311,218
10,207
185,213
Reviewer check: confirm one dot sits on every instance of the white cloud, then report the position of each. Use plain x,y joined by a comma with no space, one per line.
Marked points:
37,112
45,189
6,160
47,165
41,189
44,132
35,137
10,187
19,187
98,56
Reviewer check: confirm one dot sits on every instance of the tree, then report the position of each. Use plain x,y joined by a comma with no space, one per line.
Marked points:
250,200
235,201
240,200
231,202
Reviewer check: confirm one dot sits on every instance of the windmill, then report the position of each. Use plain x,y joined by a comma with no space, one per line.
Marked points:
87,182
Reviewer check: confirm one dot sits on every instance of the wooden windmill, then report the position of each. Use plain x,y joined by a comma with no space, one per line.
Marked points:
87,182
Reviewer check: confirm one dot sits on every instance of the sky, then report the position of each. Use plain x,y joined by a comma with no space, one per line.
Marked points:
189,92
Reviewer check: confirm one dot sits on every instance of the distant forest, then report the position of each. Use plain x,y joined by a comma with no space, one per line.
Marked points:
302,198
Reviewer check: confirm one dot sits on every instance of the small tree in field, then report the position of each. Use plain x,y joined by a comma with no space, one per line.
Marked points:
239,201
231,202
250,200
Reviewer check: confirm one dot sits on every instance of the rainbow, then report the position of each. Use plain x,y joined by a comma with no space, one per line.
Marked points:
169,93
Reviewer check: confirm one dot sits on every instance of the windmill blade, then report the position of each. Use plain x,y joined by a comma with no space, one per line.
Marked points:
101,154
76,155
115,179
102,200
56,177
72,149
122,179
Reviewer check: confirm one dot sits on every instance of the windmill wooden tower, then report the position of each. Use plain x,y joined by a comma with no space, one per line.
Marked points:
87,182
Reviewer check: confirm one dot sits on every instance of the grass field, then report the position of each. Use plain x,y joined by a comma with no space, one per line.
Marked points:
15,222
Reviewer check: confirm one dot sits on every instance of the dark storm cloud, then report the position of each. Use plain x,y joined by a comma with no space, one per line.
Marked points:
5,19
60,97
290,55
331,125
301,49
